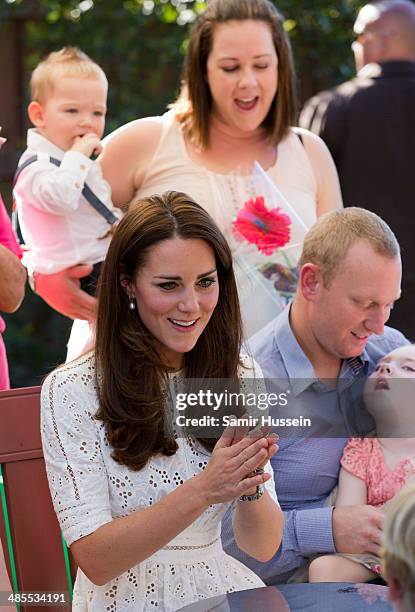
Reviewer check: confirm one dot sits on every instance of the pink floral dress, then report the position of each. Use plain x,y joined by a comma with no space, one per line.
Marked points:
364,458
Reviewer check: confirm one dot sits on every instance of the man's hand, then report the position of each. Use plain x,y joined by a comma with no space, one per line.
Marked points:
357,529
62,291
87,144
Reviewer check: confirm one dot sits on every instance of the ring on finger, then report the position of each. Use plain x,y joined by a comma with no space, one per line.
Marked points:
256,472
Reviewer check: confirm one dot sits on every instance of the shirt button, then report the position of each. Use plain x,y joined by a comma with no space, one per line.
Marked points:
77,185
82,167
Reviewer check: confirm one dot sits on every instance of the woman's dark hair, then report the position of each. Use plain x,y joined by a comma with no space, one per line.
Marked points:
194,106
131,379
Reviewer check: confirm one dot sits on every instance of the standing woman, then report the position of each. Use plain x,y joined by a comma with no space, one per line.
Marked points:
139,505
237,106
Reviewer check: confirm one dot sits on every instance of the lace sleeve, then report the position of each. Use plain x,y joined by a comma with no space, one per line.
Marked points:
71,441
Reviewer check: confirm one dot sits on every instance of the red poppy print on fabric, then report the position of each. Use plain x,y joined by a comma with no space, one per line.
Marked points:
269,230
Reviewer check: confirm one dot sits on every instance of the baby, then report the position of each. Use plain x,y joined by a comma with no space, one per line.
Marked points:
63,203
374,469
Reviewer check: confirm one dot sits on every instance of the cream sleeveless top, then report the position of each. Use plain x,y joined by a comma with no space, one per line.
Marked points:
172,169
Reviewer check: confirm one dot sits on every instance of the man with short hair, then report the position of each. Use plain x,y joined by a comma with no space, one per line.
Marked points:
330,337
368,123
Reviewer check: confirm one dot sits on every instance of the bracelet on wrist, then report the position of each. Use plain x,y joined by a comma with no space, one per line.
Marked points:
259,493
259,490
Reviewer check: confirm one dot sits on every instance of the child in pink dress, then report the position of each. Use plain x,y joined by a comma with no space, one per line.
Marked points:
374,469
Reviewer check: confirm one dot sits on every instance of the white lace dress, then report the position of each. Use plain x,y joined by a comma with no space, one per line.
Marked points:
89,489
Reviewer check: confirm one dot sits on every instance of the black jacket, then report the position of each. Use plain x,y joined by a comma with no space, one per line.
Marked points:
368,124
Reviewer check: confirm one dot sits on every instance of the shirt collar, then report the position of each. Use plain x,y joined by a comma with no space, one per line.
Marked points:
299,369
39,143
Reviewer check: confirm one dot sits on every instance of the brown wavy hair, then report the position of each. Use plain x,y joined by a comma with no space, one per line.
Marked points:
194,105
131,379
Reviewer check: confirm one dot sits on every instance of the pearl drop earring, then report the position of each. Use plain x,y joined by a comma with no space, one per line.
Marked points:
131,305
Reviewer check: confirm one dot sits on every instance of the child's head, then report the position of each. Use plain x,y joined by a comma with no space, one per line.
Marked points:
389,393
69,96
398,554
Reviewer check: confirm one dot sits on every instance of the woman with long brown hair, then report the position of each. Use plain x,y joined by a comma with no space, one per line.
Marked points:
140,504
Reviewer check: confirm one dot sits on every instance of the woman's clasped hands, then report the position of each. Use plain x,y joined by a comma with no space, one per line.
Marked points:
230,472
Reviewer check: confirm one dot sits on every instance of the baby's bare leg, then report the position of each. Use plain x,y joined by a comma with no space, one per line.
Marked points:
333,568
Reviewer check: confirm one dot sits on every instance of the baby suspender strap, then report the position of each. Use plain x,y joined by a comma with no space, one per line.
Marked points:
99,206
87,192
29,161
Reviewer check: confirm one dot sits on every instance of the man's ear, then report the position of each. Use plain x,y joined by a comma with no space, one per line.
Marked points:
310,281
35,112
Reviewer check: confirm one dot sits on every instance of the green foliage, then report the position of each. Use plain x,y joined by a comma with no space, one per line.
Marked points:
140,45
321,34
140,53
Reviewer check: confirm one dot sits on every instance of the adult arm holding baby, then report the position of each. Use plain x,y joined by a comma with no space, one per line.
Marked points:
12,278
13,275
345,567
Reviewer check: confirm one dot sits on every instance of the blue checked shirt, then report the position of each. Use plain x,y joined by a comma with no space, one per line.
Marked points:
305,469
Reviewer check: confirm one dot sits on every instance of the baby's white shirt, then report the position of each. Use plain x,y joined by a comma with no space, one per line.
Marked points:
59,226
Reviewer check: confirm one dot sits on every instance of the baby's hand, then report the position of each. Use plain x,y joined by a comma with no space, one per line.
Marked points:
87,144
